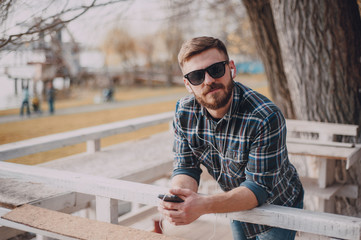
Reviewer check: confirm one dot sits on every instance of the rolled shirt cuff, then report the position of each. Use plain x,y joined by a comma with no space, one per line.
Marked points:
192,172
260,193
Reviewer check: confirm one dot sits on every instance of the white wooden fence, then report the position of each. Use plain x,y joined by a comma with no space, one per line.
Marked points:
108,191
318,139
91,135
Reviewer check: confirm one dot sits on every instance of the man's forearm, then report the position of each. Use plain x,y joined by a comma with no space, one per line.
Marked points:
196,205
238,199
184,181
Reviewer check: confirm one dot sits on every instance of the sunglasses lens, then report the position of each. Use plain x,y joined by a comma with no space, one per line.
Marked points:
217,70
196,77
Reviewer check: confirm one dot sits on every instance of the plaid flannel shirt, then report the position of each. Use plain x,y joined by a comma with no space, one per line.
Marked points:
252,148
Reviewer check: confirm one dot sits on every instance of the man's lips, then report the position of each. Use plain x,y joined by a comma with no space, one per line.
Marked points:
212,88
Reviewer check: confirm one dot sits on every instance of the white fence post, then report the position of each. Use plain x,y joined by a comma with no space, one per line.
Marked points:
106,209
93,146
326,176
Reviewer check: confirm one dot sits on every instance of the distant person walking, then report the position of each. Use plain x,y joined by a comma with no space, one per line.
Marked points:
50,94
25,102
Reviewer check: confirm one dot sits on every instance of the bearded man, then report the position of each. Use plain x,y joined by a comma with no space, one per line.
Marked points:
238,135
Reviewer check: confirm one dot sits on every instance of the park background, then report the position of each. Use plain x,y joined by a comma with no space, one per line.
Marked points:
309,50
130,46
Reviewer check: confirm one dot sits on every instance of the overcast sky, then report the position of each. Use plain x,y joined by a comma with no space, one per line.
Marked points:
140,17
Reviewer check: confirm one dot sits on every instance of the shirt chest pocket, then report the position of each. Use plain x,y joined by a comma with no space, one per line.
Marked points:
234,163
201,152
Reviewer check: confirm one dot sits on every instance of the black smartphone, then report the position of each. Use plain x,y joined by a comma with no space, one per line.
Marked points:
170,198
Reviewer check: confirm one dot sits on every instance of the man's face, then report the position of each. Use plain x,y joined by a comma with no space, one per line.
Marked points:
213,93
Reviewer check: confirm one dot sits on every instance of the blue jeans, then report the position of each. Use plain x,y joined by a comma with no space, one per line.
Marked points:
25,104
272,234
51,106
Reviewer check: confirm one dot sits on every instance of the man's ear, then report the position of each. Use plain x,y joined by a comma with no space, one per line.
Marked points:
186,83
233,68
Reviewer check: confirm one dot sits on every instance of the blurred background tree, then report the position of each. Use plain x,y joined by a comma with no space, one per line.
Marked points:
119,48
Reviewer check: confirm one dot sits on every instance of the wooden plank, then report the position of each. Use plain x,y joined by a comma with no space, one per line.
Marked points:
326,224
321,127
318,142
45,143
312,188
13,194
112,162
354,156
66,202
284,217
75,227
84,183
350,155
26,228
328,152
150,174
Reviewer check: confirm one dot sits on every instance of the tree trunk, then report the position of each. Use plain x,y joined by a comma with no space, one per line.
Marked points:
264,32
320,42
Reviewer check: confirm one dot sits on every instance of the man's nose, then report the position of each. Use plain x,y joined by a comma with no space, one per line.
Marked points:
208,80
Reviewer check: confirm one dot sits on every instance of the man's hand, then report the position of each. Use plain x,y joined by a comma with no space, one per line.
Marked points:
183,213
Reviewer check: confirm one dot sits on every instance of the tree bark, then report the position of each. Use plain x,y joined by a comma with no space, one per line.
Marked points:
264,32
320,42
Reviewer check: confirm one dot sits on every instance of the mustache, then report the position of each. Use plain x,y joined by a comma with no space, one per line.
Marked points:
211,87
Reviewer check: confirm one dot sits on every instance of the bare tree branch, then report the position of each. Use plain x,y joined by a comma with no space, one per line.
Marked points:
5,6
45,24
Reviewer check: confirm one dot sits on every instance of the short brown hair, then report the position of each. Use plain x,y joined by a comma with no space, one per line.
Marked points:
197,45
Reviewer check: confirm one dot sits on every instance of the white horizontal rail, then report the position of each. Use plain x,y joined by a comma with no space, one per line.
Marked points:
92,135
321,127
45,143
326,224
320,143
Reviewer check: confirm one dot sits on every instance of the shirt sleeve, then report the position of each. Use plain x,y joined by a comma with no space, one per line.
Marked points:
191,172
184,160
260,193
267,154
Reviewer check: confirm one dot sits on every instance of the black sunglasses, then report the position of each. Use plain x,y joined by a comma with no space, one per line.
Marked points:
216,70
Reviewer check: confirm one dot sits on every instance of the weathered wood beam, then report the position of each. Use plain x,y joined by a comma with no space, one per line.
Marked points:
65,226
